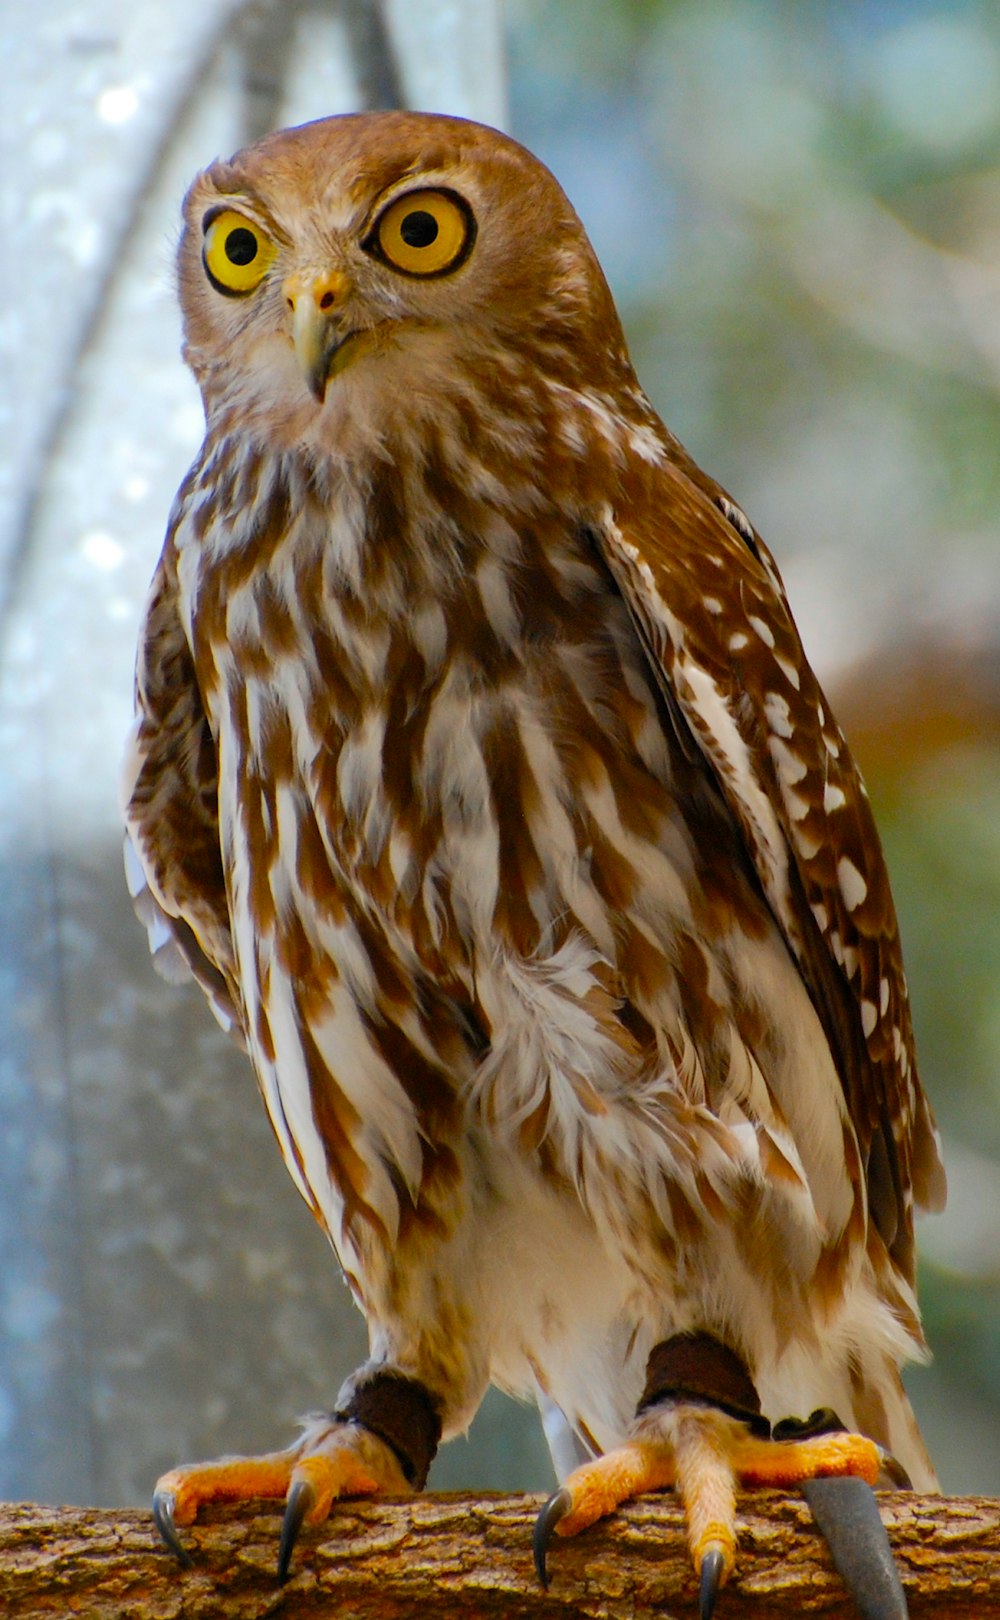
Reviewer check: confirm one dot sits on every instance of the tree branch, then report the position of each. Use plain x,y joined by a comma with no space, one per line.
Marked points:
470,1556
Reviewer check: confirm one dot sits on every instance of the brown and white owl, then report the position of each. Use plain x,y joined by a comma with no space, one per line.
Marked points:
480,779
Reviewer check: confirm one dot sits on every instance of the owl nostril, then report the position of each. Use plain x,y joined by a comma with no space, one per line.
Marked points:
326,300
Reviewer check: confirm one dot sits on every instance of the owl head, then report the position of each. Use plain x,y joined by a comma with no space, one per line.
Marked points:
365,265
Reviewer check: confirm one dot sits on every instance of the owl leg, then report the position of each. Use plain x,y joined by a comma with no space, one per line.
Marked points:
381,1440
699,1429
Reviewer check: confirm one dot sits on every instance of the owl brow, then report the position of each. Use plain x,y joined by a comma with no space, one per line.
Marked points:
413,179
242,201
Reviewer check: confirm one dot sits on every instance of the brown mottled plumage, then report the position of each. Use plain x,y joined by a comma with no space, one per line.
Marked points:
480,779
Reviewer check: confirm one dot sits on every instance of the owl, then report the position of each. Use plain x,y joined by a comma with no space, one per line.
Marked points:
479,778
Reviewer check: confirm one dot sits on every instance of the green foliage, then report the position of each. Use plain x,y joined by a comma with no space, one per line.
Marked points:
942,837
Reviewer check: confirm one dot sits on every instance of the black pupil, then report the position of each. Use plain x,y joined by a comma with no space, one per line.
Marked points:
419,229
241,246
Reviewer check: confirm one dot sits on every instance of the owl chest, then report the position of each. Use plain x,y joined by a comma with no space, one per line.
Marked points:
453,763
393,799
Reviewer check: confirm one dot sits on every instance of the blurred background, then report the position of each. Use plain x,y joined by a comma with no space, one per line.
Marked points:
798,207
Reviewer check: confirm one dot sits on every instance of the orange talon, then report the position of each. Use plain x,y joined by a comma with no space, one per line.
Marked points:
706,1482
329,1475
331,1460
231,1479
790,1462
178,1494
704,1452
598,1487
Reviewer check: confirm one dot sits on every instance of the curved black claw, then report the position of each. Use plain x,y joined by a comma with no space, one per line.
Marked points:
847,1513
556,1508
164,1503
713,1566
300,1499
892,1475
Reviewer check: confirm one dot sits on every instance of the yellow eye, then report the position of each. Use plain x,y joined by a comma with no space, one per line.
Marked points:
425,233
236,253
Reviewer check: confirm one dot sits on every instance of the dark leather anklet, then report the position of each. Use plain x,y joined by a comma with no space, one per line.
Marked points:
402,1413
696,1368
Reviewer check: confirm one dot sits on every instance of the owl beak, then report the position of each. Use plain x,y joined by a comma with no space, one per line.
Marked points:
317,303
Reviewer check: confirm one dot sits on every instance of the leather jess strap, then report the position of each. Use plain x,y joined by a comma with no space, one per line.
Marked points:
694,1367
402,1413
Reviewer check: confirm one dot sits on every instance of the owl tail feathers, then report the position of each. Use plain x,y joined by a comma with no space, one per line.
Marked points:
882,1410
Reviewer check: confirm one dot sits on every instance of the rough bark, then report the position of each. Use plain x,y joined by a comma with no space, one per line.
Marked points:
457,1555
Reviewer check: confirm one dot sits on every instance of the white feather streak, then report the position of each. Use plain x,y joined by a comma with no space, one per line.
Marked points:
852,885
